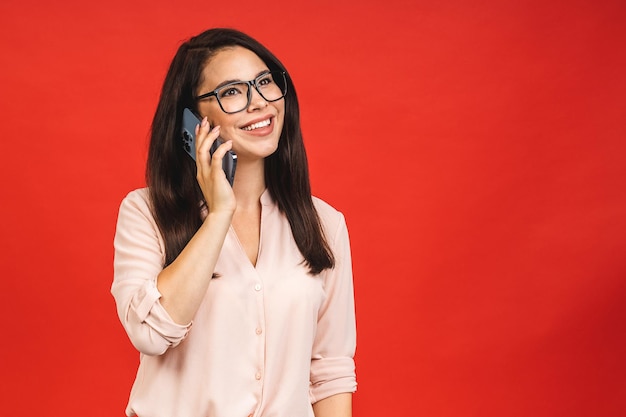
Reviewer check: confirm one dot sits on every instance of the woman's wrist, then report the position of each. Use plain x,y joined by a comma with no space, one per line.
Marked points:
224,217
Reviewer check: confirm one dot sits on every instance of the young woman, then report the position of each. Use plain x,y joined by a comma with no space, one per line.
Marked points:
239,298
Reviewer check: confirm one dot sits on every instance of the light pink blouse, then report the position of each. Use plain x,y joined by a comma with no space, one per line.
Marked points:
267,341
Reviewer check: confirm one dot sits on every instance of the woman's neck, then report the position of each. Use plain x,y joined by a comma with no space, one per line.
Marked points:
249,184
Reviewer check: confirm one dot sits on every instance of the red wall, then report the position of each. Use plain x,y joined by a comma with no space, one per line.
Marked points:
476,148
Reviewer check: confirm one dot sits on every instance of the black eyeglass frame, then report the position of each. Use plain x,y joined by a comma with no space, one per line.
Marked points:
251,83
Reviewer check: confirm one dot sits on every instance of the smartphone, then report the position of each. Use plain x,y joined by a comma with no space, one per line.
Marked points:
190,121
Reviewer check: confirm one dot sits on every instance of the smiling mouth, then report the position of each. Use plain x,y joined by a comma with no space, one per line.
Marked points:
257,125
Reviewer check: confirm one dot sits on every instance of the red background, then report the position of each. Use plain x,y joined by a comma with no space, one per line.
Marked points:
475,147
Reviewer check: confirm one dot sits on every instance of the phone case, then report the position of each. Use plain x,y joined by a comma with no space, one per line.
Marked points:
190,121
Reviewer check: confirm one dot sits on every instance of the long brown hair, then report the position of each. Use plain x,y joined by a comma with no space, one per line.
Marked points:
175,195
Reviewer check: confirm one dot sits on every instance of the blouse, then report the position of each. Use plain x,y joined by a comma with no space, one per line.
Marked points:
267,340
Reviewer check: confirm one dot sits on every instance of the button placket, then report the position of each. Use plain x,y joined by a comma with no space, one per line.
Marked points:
259,329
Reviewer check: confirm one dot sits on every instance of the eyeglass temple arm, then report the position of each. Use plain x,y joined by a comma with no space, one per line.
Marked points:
205,95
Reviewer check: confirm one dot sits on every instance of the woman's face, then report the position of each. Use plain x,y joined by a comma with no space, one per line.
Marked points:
255,131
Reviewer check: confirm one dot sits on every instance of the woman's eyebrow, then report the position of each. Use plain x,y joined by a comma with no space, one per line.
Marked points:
223,83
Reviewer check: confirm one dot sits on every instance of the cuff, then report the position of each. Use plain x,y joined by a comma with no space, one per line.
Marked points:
330,376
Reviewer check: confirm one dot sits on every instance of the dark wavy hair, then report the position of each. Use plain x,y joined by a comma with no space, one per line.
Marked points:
175,195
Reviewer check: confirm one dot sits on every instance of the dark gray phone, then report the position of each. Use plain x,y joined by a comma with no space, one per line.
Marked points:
190,120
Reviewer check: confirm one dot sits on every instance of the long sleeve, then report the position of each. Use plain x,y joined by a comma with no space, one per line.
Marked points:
138,260
332,363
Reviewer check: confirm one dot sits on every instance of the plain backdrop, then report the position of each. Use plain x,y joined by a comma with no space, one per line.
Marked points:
476,149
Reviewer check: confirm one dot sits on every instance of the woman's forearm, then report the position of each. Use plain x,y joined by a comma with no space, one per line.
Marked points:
184,282
339,405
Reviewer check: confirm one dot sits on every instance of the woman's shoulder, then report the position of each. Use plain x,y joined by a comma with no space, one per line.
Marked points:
331,217
137,199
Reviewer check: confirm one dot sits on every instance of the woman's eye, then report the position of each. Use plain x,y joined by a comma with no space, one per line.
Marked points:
265,81
230,91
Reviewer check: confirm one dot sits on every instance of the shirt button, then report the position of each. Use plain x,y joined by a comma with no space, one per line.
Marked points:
258,330
257,287
258,375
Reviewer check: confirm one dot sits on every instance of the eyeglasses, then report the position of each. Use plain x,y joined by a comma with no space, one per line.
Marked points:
236,96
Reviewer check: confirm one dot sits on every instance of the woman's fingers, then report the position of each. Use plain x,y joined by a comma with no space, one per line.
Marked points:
220,152
205,136
216,189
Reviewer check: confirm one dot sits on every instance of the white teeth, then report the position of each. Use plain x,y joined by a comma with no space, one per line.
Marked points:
257,125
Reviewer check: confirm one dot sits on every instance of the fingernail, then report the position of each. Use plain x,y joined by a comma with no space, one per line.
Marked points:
204,121
216,129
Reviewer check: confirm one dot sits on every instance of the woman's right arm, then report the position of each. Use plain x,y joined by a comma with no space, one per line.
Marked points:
156,305
184,282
